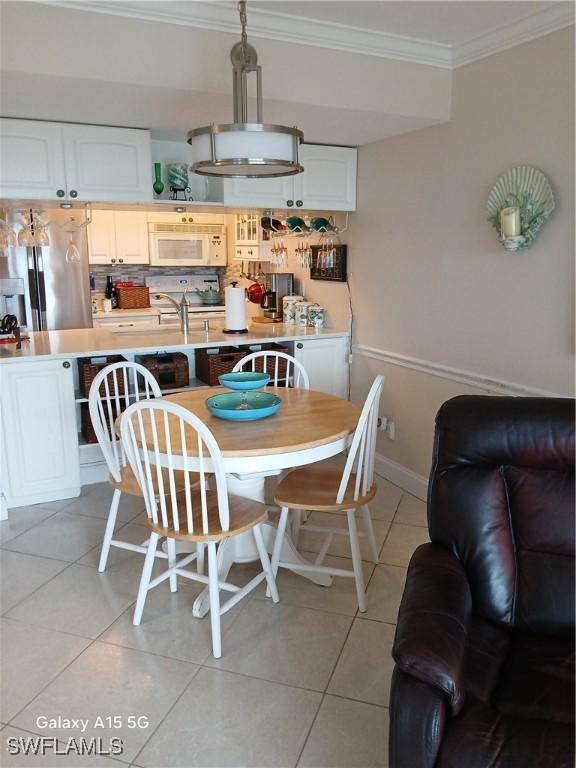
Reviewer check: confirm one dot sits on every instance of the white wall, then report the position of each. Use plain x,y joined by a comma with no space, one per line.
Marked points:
429,278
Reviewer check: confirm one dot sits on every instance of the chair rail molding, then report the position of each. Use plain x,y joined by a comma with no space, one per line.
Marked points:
472,379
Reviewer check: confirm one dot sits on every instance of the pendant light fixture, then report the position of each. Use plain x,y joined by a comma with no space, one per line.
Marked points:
242,149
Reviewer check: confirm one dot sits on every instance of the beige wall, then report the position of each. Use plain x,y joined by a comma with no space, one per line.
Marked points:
429,278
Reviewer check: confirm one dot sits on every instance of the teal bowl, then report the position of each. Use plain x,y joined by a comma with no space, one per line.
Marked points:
258,405
243,381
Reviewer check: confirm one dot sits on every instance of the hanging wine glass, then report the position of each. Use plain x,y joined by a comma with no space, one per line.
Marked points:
72,253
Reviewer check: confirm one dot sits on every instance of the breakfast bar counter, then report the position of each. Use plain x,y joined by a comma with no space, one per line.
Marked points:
87,342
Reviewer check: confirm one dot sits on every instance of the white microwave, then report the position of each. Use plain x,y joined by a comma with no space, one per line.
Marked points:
187,245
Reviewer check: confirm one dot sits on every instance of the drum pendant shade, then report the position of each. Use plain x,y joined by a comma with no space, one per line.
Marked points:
242,149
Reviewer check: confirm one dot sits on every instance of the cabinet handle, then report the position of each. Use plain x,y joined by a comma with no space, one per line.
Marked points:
289,203
113,261
73,193
300,345
299,203
66,364
60,192
121,261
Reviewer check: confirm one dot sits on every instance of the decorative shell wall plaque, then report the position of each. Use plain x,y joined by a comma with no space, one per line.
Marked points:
526,189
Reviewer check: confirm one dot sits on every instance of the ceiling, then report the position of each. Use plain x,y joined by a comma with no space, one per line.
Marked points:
449,23
346,72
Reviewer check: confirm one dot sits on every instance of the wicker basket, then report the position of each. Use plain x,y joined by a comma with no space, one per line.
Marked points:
169,369
270,361
209,367
88,367
133,297
86,422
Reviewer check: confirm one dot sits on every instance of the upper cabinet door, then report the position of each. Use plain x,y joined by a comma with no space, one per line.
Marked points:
102,238
259,193
107,163
329,179
32,160
131,237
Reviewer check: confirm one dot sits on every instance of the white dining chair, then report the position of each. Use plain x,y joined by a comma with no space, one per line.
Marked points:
284,369
161,438
111,392
320,489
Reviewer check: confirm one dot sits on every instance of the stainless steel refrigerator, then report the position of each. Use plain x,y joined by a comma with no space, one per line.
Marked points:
39,286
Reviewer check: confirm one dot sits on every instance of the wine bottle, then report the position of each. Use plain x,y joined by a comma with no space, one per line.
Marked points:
109,287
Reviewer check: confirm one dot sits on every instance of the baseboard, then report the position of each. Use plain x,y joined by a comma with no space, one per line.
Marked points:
401,476
95,472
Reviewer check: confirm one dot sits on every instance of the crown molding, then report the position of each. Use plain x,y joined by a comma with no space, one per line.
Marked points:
551,19
328,34
282,27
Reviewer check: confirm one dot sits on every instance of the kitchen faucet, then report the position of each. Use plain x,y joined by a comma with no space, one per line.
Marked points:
181,309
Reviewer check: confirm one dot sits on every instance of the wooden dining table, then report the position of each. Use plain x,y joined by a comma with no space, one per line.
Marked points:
308,427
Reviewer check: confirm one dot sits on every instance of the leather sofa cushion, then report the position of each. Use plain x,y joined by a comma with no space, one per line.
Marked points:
537,679
482,737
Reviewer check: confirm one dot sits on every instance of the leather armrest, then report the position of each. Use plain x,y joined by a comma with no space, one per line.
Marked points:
417,718
432,632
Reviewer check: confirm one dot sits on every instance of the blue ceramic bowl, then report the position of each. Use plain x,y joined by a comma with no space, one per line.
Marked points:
228,406
243,381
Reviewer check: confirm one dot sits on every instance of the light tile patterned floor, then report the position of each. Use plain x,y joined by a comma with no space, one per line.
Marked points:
302,683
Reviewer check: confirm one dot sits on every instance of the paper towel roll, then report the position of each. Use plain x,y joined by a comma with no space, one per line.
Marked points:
235,299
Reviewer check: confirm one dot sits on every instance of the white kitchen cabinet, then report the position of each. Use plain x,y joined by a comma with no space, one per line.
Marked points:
329,179
118,237
328,183
246,237
107,163
326,362
258,193
40,433
32,159
44,160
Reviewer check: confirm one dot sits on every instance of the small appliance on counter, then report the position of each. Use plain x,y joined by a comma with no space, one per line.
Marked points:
277,285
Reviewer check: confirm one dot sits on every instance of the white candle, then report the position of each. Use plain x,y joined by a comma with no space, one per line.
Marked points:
510,222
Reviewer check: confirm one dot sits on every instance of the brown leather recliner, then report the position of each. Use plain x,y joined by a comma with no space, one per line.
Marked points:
484,646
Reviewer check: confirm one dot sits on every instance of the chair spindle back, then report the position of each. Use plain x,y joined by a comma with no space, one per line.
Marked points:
122,383
295,371
363,447
161,439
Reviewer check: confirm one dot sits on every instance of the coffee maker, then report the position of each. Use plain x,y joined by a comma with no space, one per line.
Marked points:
276,286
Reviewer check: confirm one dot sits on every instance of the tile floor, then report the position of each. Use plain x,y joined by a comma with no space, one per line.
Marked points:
302,683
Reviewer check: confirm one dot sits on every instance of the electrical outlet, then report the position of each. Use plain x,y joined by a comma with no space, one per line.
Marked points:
387,426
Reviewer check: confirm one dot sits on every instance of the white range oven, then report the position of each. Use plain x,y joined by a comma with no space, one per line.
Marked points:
188,242
174,286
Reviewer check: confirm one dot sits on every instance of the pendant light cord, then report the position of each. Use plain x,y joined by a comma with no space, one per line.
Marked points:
243,22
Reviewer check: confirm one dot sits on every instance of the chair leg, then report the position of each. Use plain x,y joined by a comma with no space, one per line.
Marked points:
369,530
109,532
171,552
356,560
276,551
145,578
214,600
296,523
200,558
265,560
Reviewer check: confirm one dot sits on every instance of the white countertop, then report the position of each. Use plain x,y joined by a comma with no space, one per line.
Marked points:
89,342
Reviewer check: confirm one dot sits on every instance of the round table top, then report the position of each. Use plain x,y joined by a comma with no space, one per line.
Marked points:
306,419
